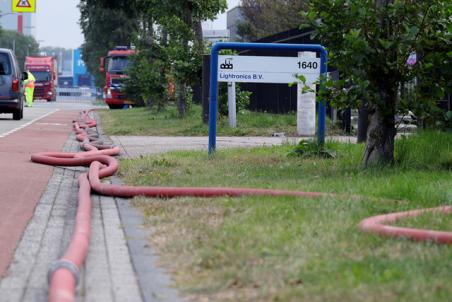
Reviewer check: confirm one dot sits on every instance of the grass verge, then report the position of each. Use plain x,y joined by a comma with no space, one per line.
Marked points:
297,249
142,121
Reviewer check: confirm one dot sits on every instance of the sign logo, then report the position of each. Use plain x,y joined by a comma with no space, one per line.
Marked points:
227,64
23,3
23,6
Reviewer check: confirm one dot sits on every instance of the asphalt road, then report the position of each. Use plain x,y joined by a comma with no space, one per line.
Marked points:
40,110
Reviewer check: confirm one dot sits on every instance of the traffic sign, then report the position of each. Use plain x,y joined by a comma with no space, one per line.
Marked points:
256,69
23,6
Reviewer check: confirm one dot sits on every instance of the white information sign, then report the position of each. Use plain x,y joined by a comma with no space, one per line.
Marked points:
253,69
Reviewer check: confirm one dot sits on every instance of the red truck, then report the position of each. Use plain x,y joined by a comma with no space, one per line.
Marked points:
115,68
45,71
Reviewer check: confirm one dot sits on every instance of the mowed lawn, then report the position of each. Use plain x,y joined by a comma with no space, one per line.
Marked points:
142,121
300,249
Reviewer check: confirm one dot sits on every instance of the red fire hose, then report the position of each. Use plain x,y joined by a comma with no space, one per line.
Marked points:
377,225
64,274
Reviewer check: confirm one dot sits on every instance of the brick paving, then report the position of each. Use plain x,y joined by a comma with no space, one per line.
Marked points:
109,273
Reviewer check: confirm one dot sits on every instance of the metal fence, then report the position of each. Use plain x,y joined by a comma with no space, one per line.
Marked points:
81,93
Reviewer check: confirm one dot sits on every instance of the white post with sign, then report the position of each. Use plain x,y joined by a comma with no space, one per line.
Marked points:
255,69
306,105
232,105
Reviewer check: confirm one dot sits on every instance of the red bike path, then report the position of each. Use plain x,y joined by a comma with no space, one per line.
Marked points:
22,182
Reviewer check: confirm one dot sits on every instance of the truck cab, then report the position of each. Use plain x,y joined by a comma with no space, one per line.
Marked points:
44,69
115,68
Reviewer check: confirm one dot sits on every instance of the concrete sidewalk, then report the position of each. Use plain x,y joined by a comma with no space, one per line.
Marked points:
134,146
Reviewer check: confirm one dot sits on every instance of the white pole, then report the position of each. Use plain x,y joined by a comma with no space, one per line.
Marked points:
232,107
306,105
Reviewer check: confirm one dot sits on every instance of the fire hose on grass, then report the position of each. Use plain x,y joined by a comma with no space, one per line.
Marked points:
64,274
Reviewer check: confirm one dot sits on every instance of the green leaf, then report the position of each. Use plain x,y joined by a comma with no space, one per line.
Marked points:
385,43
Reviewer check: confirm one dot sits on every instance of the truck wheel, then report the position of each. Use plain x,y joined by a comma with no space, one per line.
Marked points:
18,115
115,106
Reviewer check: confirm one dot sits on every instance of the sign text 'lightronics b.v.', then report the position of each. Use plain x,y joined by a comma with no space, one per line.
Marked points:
255,69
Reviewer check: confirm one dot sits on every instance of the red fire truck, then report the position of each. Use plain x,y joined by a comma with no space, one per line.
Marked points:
44,69
115,68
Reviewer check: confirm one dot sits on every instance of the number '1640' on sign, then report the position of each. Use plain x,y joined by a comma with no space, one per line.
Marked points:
308,65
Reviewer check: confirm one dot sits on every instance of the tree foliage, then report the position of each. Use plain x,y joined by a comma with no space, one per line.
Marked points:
167,35
369,42
267,17
181,21
22,44
105,25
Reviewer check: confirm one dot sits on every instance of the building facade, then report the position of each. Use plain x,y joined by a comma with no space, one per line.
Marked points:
234,18
216,35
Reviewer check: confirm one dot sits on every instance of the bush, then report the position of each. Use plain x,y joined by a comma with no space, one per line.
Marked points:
312,149
242,99
147,83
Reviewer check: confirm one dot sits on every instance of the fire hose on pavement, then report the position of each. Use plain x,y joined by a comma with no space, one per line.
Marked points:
64,274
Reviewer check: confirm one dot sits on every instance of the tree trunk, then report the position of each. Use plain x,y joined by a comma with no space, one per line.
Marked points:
197,85
149,103
363,122
180,82
148,33
380,138
197,29
381,129
181,96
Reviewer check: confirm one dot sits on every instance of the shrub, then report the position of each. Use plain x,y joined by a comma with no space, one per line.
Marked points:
242,99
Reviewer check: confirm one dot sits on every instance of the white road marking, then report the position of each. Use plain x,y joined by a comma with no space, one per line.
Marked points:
51,124
27,124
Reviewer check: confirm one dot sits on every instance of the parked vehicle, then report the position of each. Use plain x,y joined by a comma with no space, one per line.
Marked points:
44,69
11,85
115,68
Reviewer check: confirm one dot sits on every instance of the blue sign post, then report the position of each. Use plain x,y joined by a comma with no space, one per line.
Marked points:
259,46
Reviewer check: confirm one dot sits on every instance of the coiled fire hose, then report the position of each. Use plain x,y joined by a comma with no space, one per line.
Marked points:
64,274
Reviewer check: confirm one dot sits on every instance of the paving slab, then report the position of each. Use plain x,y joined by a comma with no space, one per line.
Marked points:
115,269
134,146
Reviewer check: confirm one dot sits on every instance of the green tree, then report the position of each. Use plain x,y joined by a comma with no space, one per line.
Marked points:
181,20
266,17
105,25
167,34
147,81
21,44
369,42
173,30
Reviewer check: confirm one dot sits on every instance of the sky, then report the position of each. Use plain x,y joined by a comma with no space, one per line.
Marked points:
57,22
220,23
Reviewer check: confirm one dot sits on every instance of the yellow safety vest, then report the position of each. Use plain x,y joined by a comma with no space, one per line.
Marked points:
30,82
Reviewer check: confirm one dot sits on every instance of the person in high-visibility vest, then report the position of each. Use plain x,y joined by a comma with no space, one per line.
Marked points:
29,85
